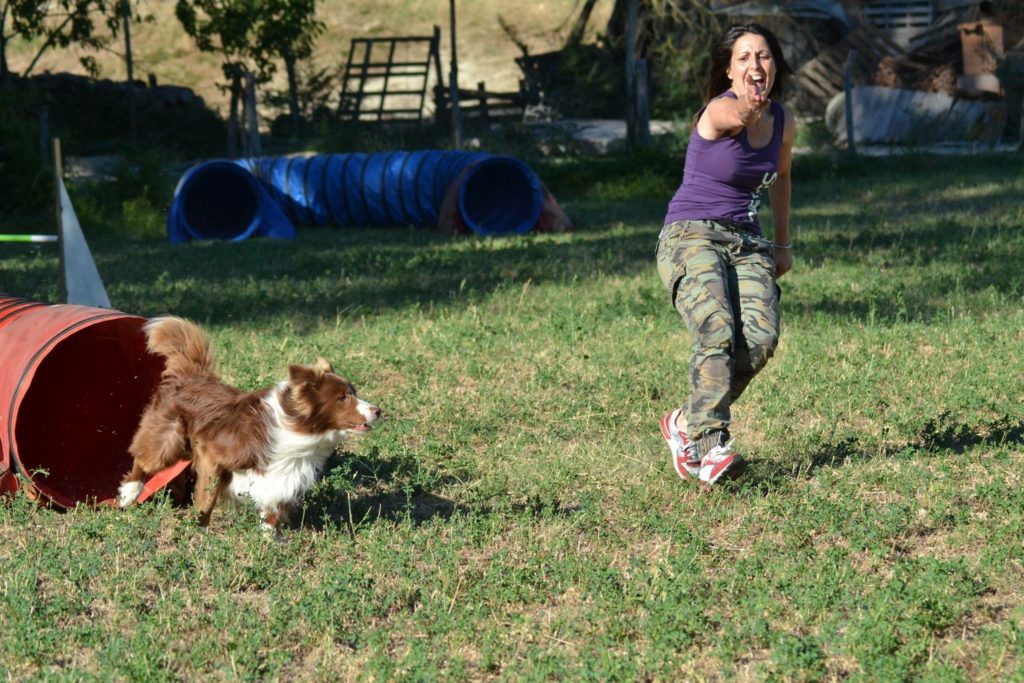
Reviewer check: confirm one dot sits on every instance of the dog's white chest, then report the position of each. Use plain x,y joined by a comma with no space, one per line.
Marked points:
294,462
282,483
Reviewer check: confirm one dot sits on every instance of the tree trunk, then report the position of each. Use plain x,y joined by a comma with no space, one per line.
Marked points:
3,48
47,44
236,87
580,27
293,91
252,121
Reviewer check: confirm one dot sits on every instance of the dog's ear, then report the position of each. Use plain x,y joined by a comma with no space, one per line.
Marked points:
300,374
322,364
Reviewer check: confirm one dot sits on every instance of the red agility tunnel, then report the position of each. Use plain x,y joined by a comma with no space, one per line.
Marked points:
74,381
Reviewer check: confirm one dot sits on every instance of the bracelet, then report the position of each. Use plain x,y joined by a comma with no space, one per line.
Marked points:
787,245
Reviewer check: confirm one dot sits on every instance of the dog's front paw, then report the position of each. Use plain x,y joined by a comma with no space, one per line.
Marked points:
128,493
272,532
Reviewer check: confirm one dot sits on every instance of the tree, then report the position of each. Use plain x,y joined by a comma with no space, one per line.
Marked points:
674,36
580,26
251,35
59,23
290,32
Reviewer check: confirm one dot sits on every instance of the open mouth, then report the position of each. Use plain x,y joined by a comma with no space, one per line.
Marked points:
362,428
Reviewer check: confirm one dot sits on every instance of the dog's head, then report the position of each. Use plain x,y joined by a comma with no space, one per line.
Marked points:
319,402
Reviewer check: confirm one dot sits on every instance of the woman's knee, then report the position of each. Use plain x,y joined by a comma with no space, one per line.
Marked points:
716,332
761,347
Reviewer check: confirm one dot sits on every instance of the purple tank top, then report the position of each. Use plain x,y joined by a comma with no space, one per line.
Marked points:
723,179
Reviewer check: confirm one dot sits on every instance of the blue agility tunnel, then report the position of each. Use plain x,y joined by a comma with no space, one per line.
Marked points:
234,200
221,200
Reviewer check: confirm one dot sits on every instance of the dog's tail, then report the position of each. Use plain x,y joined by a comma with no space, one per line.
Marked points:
182,343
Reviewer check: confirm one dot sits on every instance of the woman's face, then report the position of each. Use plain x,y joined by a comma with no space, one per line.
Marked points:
752,65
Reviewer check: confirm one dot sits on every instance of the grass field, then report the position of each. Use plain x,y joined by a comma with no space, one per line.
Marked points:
517,517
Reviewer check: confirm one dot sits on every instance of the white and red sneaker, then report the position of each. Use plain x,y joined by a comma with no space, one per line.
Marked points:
721,461
684,455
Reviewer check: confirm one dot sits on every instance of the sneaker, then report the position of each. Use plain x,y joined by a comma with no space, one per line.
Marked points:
720,461
684,456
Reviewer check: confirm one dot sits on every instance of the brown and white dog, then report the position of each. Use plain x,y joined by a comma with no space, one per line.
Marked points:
268,445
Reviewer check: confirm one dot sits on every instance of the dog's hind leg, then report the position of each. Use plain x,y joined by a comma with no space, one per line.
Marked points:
211,481
158,442
131,486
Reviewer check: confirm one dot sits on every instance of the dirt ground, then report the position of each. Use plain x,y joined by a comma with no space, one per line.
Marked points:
484,49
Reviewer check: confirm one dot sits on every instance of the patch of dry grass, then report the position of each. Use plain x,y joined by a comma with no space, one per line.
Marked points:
485,53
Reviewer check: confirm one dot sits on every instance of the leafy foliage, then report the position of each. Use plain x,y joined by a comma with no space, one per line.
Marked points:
675,37
251,34
58,24
310,93
587,80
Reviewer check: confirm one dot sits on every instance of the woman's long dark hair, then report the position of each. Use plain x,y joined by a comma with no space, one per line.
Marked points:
721,58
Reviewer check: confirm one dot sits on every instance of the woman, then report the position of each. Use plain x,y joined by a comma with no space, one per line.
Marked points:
718,266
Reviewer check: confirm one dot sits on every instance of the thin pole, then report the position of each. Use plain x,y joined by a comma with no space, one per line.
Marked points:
44,134
453,83
643,105
851,145
631,20
28,238
58,178
126,9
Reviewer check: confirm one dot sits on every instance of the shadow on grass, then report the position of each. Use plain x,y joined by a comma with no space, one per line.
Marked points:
356,491
326,272
358,274
330,272
939,436
352,512
943,433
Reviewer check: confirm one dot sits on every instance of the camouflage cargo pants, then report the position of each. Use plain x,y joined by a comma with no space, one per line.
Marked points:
722,281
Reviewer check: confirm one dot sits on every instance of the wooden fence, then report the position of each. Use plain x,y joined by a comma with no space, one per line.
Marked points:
487,105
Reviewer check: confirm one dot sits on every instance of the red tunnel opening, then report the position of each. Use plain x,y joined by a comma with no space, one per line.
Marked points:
80,407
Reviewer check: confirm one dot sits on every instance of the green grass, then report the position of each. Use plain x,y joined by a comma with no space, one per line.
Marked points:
517,518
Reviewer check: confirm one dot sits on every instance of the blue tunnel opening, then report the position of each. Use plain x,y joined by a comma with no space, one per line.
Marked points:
221,202
500,196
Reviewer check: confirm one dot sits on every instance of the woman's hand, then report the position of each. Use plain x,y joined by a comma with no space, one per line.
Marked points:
783,261
751,102
726,116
